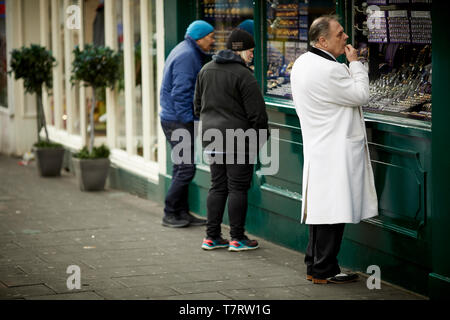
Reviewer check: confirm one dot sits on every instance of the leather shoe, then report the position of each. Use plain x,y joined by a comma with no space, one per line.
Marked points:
343,278
338,279
193,221
174,222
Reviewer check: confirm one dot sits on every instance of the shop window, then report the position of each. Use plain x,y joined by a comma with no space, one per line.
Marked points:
3,56
394,39
75,90
120,103
287,38
50,109
62,61
95,34
224,16
138,78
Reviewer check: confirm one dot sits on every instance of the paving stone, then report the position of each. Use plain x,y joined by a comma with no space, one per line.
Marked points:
138,293
125,253
280,293
158,279
60,286
25,291
336,290
198,296
206,286
70,296
21,280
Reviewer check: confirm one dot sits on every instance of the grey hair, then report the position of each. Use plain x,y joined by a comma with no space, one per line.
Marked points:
321,28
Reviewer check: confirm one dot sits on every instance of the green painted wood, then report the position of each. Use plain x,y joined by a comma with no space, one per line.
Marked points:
440,277
408,239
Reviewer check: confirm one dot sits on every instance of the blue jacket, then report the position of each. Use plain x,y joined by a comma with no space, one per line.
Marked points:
178,84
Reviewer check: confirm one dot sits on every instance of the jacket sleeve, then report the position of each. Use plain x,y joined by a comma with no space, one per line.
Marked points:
349,87
198,96
254,104
183,84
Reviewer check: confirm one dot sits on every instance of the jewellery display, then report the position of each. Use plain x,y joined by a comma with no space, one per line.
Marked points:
287,34
397,49
225,15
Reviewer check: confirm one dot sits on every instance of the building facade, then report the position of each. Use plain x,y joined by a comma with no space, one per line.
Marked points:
401,42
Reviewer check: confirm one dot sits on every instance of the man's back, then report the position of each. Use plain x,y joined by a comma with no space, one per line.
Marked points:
177,88
327,97
326,100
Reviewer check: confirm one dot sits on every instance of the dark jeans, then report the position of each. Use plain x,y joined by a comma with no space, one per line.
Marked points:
182,174
232,182
323,247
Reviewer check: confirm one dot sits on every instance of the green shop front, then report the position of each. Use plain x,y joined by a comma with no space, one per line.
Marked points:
401,42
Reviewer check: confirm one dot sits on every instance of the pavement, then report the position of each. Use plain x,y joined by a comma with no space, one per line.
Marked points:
117,243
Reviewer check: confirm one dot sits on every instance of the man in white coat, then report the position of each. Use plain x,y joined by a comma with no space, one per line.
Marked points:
338,184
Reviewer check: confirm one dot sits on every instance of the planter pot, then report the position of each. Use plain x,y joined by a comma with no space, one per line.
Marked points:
49,161
91,173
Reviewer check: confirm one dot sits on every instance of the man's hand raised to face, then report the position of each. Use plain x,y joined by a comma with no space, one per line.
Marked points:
350,53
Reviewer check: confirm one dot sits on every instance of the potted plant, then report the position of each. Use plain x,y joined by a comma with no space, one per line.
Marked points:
34,65
98,68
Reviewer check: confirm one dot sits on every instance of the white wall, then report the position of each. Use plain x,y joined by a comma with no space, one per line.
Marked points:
18,121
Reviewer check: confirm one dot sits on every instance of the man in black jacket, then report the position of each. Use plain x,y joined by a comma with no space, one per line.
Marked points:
228,100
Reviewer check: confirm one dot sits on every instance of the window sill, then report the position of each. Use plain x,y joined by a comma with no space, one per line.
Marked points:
401,125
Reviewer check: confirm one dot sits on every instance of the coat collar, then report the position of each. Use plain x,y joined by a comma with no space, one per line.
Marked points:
194,44
322,53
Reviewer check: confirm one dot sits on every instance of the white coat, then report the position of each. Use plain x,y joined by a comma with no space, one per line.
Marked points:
338,183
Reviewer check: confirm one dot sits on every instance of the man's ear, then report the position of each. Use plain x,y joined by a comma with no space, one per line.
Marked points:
323,42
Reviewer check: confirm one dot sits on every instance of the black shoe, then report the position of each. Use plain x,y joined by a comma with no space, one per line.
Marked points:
343,278
174,222
192,220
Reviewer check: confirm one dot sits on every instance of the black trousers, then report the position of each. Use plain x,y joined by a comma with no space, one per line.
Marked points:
232,182
323,247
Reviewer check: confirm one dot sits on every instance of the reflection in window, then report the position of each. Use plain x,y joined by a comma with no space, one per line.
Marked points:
224,16
138,77
3,55
287,38
75,41
95,17
120,103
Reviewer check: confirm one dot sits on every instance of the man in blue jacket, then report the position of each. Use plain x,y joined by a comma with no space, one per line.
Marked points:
177,94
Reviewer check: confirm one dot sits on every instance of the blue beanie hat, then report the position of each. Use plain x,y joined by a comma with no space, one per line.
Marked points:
199,29
247,25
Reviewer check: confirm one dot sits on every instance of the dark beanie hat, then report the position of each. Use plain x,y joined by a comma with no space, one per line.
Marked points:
240,40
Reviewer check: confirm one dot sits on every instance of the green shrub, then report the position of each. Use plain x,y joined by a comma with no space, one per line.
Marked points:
97,152
98,68
47,144
34,65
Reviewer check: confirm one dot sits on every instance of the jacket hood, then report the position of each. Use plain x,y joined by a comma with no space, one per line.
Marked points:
228,56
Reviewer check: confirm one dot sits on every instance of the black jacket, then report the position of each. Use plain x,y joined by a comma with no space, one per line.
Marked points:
227,96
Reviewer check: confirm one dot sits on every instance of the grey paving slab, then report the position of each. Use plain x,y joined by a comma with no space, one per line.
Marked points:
198,296
69,296
124,252
277,293
60,286
207,286
25,291
138,293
